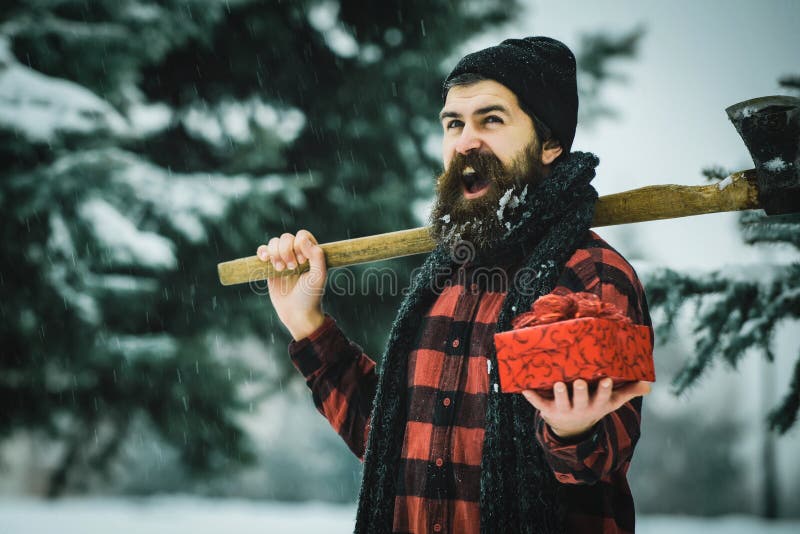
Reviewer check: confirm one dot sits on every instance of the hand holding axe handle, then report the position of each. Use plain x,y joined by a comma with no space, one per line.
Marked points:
769,126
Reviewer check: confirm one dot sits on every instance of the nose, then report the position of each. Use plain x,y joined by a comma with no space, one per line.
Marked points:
467,142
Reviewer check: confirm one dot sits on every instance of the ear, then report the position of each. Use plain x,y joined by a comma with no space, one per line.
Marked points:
550,151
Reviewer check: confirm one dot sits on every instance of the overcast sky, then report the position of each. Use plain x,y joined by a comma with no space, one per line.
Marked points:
697,58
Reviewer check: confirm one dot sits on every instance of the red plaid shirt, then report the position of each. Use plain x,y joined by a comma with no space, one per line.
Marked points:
438,487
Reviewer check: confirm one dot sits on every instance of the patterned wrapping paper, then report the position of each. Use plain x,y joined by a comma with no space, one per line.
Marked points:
593,341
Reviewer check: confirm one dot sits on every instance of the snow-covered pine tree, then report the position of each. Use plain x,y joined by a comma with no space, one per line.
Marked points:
144,141
737,311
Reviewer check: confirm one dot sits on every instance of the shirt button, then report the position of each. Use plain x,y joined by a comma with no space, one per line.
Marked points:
439,462
437,527
446,401
456,343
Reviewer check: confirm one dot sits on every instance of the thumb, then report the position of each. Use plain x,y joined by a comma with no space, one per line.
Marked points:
318,269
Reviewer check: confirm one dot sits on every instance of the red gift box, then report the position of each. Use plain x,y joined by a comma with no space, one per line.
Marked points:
596,342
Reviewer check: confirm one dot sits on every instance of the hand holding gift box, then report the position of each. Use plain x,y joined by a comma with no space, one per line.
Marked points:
570,337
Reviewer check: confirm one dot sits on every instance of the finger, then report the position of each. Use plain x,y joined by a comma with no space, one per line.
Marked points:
604,390
561,397
540,403
263,253
300,239
275,254
316,257
580,395
307,234
286,249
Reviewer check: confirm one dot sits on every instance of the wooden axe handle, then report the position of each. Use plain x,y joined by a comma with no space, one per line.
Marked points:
737,192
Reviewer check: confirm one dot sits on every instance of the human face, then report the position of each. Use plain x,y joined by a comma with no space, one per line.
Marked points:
492,160
484,117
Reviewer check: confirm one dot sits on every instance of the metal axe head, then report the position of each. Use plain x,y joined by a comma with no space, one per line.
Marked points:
770,128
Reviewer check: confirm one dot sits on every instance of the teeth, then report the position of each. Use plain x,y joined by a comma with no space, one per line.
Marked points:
469,170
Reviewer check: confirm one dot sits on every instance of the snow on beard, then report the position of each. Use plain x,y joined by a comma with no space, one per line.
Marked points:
485,220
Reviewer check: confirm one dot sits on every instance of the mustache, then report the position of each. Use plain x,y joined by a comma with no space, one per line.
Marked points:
485,164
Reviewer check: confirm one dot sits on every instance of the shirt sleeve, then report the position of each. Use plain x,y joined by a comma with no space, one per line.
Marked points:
607,448
342,380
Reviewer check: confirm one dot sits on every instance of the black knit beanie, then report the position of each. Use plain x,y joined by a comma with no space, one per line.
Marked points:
540,71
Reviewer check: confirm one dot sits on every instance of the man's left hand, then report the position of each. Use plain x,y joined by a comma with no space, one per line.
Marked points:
576,416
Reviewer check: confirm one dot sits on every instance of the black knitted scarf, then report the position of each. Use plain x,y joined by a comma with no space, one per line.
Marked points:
518,489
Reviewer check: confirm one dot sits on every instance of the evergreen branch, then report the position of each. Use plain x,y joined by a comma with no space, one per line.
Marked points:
101,460
733,314
738,304
784,416
597,50
594,58
745,315
790,82
715,173
713,326
58,479
756,227
690,372
670,291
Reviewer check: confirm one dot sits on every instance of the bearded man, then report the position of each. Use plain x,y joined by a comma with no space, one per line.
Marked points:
444,450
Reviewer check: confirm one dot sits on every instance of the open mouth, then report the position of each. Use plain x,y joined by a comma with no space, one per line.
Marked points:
475,184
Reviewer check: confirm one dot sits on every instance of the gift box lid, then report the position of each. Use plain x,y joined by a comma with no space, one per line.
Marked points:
536,357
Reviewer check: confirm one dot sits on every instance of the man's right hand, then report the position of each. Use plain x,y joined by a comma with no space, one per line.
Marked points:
297,298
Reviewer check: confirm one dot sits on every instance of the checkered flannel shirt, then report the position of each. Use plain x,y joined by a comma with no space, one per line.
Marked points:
438,486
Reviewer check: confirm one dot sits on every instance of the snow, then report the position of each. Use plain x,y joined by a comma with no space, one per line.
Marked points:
502,203
61,273
510,200
120,283
445,218
147,119
341,42
62,280
39,106
142,13
125,243
744,113
186,202
232,121
285,123
324,17
169,514
762,273
144,346
776,164
204,125
722,525
725,183
60,239
370,53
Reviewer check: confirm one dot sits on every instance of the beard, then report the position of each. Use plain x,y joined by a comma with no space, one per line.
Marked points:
481,223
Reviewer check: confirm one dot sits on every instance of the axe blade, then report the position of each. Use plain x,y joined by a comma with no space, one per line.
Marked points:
770,128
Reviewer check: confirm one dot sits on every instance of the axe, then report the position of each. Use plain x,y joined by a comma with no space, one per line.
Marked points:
769,126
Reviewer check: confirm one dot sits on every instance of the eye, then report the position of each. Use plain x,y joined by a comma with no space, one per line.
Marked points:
455,123
493,119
